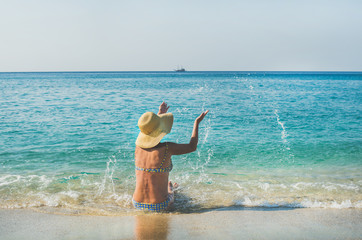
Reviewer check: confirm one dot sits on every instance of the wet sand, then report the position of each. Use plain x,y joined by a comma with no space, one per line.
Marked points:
257,223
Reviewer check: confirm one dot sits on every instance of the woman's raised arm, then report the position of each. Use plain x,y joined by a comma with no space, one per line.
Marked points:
163,108
178,149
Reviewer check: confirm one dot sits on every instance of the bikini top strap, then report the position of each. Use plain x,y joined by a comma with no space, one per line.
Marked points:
164,157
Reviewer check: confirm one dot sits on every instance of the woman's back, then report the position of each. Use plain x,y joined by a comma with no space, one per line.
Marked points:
152,170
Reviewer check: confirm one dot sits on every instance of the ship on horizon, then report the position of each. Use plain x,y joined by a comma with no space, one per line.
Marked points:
180,69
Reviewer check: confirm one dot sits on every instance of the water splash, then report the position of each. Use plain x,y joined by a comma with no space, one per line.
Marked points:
260,100
108,176
284,132
283,136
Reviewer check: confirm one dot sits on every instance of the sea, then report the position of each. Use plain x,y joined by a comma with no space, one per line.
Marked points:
270,140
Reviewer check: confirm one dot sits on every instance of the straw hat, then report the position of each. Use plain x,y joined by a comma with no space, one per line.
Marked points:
153,128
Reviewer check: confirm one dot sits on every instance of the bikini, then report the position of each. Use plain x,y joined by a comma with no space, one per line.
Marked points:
156,207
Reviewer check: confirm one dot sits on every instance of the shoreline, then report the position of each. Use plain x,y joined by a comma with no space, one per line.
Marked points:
226,223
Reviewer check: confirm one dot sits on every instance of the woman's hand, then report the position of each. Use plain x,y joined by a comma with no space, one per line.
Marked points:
201,117
163,108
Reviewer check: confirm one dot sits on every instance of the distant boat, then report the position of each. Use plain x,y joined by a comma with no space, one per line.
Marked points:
180,69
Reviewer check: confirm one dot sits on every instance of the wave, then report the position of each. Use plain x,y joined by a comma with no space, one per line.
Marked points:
112,195
305,203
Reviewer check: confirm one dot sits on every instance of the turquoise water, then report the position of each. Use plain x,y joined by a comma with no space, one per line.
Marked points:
290,139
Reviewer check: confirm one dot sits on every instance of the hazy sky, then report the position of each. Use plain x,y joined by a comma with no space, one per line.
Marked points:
86,35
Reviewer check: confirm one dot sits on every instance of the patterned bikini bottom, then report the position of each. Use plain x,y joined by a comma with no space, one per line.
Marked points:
154,207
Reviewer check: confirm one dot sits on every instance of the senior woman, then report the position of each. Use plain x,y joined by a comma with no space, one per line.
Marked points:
154,192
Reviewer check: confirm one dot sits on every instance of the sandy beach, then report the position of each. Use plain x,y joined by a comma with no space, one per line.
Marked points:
258,223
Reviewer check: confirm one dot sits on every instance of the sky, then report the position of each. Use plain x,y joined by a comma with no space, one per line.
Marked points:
200,35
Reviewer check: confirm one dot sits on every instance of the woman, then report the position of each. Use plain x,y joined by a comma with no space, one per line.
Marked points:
153,159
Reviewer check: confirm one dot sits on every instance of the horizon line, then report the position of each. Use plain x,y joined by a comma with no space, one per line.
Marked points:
172,71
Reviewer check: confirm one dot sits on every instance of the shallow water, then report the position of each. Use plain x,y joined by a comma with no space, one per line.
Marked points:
290,139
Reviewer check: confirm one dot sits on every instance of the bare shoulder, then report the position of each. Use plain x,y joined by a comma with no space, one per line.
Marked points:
179,149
